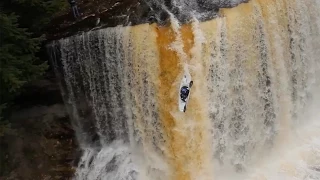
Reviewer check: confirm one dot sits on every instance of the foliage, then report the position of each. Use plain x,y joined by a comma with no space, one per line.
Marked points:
22,25
18,57
35,14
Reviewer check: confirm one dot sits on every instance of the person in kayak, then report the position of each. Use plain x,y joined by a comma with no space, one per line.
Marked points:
184,93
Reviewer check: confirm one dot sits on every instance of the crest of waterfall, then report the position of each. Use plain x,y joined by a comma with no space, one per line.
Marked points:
255,96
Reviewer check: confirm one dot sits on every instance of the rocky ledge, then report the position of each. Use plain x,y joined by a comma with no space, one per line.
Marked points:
97,14
43,144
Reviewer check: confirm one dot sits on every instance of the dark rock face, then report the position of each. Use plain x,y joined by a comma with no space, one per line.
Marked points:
230,3
47,93
132,12
208,5
43,145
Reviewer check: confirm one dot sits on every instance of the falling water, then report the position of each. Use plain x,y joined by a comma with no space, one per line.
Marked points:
253,106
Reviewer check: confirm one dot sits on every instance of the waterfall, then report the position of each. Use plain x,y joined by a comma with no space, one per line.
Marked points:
252,112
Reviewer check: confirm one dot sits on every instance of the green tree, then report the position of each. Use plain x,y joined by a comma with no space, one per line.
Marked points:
22,29
35,14
19,63
22,25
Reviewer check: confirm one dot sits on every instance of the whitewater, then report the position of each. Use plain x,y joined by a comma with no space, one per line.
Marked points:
254,105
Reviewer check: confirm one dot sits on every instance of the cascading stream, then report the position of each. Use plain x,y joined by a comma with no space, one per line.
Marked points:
252,110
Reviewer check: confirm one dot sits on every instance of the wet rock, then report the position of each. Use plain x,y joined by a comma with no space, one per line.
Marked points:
230,3
44,145
132,12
